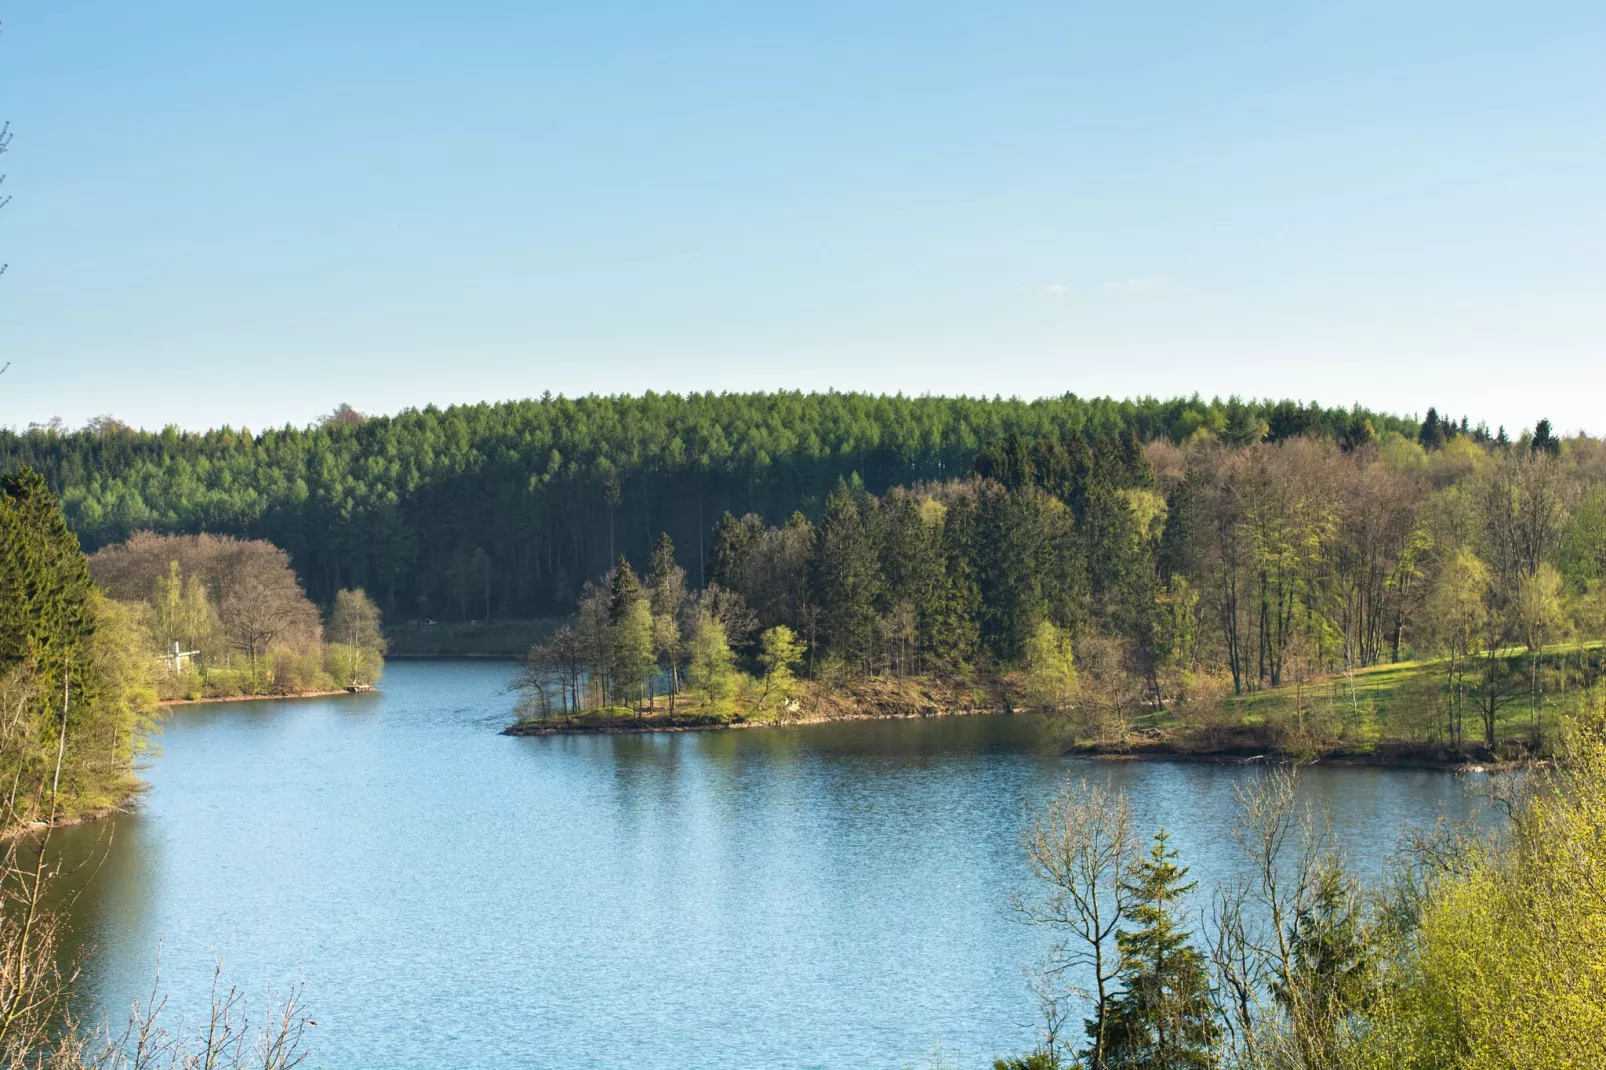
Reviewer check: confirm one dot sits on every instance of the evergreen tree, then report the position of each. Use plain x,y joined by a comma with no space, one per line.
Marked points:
1008,461
1544,440
734,542
949,633
624,590
73,666
1330,972
1432,434
1162,1018
46,616
666,582
847,578
1021,538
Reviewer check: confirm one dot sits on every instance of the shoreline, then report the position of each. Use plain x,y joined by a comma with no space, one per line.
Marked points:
1402,758
262,698
36,828
454,657
530,728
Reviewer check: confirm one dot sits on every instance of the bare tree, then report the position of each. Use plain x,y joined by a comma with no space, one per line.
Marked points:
1079,851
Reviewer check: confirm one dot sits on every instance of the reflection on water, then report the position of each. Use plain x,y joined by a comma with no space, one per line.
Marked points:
824,896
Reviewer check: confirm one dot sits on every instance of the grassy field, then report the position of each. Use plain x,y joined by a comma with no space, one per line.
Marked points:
1395,708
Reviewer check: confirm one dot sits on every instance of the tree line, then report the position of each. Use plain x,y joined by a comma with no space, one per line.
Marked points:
1125,576
505,510
227,616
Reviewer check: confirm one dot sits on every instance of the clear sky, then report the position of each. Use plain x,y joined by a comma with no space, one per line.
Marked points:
247,213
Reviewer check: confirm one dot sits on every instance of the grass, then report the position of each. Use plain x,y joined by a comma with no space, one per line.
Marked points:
1392,708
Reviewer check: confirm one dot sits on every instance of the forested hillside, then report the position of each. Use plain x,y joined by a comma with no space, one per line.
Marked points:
504,510
1120,579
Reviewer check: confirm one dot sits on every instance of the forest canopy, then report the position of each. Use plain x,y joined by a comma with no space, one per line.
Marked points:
505,510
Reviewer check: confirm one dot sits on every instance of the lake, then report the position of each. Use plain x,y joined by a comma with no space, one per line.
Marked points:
818,896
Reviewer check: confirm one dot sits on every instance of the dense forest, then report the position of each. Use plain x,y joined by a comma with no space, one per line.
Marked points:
1124,578
505,510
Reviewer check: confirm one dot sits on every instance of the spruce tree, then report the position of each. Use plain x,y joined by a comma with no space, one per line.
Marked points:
633,651
1432,434
623,589
949,634
48,620
666,581
1331,967
1162,1018
847,578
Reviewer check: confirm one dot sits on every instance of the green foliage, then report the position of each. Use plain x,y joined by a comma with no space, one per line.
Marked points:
1163,1017
1259,555
355,652
1503,966
634,648
848,577
1050,668
1040,1059
398,505
75,679
711,670
780,651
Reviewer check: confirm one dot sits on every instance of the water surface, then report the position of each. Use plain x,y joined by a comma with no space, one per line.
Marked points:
820,896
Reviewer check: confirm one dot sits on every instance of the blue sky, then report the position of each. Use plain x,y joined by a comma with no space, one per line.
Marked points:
247,213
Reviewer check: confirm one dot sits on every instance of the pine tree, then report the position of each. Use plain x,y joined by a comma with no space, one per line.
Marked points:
1162,1017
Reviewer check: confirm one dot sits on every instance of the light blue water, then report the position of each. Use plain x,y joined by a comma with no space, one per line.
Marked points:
820,896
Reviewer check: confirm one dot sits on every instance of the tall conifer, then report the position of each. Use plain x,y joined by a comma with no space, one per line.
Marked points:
1162,1019
848,578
